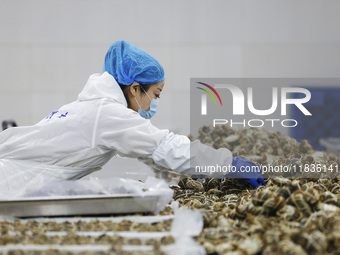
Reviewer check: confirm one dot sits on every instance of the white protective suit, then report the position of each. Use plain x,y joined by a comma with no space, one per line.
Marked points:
82,136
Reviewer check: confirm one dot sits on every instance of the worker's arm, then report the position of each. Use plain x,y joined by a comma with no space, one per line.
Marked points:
123,130
178,153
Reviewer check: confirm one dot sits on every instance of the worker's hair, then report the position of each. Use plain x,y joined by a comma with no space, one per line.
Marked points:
125,87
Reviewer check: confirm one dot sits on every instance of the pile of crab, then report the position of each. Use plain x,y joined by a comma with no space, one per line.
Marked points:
295,213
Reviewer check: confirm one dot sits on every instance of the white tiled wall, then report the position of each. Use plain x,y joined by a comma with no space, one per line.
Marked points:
49,48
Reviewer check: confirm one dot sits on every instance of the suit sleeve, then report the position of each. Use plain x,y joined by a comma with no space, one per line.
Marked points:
131,135
178,153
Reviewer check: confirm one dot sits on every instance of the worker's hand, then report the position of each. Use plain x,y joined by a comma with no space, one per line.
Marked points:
241,167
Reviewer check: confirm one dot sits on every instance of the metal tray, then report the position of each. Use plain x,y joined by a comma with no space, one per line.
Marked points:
78,205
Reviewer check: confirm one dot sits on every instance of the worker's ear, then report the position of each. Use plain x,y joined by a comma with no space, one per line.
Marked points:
135,89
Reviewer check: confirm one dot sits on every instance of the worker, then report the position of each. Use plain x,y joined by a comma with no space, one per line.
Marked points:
109,118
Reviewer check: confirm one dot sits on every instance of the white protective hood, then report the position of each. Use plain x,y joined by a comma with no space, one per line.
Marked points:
102,86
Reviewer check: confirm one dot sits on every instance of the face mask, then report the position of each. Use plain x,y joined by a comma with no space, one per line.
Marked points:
153,108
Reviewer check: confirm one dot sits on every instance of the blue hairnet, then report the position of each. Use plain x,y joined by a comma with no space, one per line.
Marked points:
128,64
